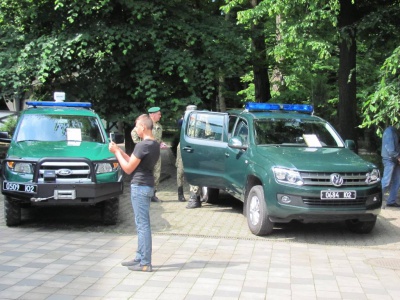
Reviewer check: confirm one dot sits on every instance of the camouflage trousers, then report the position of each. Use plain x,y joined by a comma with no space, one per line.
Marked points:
180,174
157,173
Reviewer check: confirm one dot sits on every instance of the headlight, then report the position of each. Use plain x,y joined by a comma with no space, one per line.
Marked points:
287,176
373,177
20,167
106,167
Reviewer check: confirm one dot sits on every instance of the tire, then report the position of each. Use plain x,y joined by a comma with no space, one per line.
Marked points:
257,214
362,227
110,211
209,195
12,212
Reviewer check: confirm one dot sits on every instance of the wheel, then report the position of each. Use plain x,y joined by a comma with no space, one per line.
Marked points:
256,212
110,211
209,195
12,212
361,226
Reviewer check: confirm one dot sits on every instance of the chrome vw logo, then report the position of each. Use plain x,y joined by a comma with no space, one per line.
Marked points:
336,179
64,172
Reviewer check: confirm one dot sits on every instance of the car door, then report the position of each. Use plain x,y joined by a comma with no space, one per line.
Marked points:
203,142
236,162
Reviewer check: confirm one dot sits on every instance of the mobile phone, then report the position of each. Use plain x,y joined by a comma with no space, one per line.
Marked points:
112,136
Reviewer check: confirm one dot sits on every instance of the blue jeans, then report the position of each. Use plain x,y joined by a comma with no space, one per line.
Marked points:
140,198
391,179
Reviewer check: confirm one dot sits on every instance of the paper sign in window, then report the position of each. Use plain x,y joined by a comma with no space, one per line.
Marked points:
74,136
312,140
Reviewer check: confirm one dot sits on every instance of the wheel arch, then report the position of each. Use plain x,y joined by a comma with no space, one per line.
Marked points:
251,181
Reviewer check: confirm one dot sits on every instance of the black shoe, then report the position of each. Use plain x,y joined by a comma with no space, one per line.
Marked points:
155,199
193,204
392,205
181,197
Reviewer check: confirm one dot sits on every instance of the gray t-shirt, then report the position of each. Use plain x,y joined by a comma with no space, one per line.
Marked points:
148,151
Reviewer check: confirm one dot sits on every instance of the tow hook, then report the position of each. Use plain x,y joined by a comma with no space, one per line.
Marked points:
33,199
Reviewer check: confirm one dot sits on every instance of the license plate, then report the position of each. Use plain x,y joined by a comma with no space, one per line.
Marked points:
338,195
19,187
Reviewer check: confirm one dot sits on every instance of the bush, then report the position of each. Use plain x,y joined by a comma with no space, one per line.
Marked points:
9,125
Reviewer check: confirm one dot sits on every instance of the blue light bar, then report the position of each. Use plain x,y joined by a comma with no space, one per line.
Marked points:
253,106
306,108
59,104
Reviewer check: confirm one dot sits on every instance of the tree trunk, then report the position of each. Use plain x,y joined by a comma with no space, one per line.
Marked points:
260,67
129,145
221,97
347,108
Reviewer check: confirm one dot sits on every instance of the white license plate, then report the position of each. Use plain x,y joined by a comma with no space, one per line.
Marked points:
331,194
19,187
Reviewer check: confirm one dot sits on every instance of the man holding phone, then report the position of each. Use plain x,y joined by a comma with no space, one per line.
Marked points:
155,115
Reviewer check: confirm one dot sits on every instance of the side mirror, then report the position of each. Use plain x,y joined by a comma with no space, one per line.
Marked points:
236,142
4,137
349,144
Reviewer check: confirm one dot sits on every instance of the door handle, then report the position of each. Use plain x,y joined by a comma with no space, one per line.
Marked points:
187,149
226,154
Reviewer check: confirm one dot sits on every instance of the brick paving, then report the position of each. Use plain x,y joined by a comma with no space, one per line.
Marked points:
205,253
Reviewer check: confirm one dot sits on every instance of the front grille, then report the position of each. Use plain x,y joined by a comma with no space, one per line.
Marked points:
335,202
324,179
66,171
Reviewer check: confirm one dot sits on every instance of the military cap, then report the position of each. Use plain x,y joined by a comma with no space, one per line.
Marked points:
153,109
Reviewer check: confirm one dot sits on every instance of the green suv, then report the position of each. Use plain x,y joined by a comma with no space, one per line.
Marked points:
58,155
284,163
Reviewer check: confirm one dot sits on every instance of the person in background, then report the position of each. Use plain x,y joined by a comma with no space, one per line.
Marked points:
391,173
141,165
180,179
155,115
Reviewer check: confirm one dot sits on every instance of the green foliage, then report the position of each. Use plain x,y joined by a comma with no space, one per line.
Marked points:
381,107
9,125
122,55
301,45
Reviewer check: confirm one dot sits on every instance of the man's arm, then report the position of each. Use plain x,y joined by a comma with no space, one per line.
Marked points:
128,164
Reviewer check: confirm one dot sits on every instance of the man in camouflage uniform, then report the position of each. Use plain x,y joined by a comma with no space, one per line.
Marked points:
155,115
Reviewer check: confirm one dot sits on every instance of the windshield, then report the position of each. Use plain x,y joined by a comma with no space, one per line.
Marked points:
50,128
296,132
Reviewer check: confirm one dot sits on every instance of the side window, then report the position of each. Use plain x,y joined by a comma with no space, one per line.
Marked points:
232,122
205,126
242,130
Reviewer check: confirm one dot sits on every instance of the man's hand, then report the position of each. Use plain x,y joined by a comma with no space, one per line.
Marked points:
113,147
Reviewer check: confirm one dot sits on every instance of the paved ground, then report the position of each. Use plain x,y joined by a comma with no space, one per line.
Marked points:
205,253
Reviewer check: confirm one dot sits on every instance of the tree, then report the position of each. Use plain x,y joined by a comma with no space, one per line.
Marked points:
122,55
381,55
347,107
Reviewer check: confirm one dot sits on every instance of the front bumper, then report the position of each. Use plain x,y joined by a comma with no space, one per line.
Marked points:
306,205
68,194
46,189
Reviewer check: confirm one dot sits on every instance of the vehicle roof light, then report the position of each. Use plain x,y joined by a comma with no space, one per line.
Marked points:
253,106
62,104
307,108
304,108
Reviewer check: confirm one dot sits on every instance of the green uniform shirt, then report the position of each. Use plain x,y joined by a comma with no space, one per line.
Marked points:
157,133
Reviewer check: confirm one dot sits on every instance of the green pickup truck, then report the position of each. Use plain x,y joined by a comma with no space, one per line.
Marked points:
284,163
58,155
